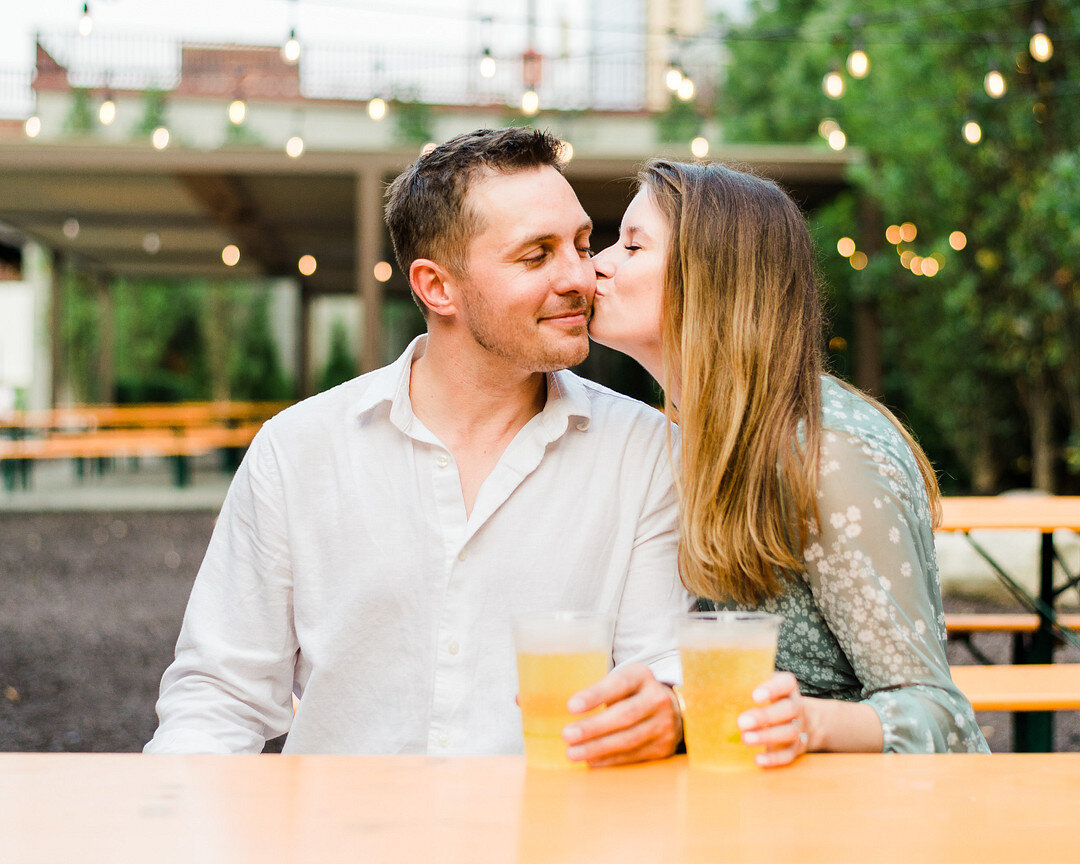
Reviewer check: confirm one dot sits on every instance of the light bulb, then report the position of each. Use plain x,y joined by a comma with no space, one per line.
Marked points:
230,255
32,126
699,147
673,78
487,65
160,138
994,84
383,271
306,265
908,232
845,246
107,112
294,147
686,90
70,228
290,51
958,240
237,111
826,127
930,267
530,102
858,64
376,108
837,140
86,23
566,152
833,85
151,243
893,235
972,132
1040,46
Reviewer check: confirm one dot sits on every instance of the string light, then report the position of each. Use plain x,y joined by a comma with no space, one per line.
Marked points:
699,147
972,132
160,138
859,260
306,265
530,102
427,148
32,127
70,228
294,147
376,109
930,267
237,111
566,152
893,235
290,51
908,232
994,83
826,127
86,23
958,240
905,258
686,90
837,140
1040,46
383,271
487,64
230,255
845,246
107,111
151,243
858,64
833,83
673,78
915,265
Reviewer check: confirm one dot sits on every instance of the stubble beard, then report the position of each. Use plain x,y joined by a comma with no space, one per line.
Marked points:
523,344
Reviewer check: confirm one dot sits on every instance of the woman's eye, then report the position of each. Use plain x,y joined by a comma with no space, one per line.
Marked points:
586,251
630,247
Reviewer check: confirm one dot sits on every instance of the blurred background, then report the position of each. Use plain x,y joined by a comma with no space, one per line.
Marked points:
190,214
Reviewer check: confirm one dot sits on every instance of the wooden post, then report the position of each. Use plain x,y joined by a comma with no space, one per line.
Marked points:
305,384
56,329
368,235
106,340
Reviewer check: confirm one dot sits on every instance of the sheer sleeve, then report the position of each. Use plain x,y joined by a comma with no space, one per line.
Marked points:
871,567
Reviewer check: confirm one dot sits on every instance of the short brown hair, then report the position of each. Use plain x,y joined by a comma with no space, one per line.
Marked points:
425,205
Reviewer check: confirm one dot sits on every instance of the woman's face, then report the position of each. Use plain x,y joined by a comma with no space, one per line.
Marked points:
630,283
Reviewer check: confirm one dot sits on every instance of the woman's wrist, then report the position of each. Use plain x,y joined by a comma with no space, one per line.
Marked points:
833,725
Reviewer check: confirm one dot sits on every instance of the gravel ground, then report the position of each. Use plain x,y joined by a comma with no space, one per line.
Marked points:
91,604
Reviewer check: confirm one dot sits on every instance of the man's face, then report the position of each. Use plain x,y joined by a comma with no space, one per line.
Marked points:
527,294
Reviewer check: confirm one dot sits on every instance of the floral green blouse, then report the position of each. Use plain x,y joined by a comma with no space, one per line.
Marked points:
865,621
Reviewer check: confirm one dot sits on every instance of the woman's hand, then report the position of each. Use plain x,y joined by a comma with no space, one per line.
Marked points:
781,724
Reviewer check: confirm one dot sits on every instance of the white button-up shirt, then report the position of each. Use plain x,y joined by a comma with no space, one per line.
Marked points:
343,564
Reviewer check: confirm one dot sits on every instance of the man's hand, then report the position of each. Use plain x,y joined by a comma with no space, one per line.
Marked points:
641,720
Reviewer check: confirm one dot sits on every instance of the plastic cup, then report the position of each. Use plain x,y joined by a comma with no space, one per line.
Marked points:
725,656
558,654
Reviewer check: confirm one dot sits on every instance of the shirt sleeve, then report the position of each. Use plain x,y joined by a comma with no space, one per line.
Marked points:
653,595
230,686
871,567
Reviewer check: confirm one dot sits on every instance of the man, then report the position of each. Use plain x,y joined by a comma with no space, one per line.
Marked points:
379,536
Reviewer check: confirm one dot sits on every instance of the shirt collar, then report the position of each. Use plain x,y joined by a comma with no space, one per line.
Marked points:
567,397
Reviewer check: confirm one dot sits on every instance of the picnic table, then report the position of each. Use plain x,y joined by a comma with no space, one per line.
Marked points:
835,808
1025,512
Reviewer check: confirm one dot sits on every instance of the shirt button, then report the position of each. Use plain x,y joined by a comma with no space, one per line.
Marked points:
444,740
462,555
442,460
453,647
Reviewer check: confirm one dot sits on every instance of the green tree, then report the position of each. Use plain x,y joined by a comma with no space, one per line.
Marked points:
995,327
255,368
340,362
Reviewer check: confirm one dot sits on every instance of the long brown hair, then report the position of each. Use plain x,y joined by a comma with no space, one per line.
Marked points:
742,332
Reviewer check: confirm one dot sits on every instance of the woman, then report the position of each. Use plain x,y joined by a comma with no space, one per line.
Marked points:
799,495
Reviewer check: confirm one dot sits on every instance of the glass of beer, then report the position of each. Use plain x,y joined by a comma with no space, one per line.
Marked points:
558,654
725,656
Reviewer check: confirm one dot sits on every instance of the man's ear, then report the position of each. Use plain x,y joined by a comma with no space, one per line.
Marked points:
434,285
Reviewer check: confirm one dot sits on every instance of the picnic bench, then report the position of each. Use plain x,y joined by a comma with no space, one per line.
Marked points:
104,432
1033,687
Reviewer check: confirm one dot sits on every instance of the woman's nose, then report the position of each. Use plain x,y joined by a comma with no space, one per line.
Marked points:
603,264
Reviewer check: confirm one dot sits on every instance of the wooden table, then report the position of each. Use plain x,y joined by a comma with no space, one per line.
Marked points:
123,809
1045,514
1033,687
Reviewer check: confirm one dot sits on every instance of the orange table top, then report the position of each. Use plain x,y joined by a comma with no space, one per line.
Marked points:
1035,687
326,809
1019,512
